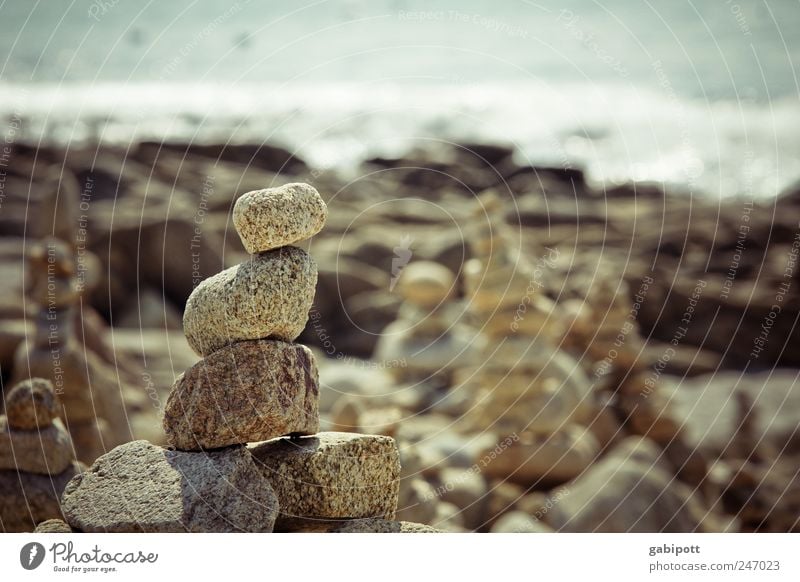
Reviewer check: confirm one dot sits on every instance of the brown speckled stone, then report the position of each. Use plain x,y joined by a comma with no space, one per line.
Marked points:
249,391
140,487
31,404
332,475
268,296
53,526
276,217
383,526
47,451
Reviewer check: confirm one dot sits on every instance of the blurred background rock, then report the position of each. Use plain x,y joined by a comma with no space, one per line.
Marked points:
572,313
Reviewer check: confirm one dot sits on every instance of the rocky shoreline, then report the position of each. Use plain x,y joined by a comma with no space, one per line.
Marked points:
513,328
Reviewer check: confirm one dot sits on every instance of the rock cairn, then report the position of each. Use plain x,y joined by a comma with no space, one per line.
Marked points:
427,339
253,385
532,395
36,456
93,408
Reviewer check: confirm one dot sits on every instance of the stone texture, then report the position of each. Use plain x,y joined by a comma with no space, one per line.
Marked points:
140,487
332,475
376,525
47,451
630,490
276,217
249,391
53,526
27,499
542,459
31,404
268,296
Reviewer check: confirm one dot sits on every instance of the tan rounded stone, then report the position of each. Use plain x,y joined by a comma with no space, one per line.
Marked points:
247,392
426,283
46,451
266,297
276,217
31,404
53,526
541,459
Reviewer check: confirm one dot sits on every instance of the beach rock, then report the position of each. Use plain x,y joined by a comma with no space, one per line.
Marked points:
46,451
629,490
27,499
31,404
448,518
377,525
535,459
268,296
331,475
425,283
246,392
276,217
708,409
140,487
519,522
416,501
466,489
53,526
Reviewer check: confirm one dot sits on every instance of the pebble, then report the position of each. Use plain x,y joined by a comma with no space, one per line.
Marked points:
276,217
31,404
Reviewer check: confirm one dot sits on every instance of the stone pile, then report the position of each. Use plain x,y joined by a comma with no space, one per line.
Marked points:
94,409
427,339
253,385
524,388
36,456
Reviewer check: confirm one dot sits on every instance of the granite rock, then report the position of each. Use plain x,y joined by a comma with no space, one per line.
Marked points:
31,404
276,217
246,392
53,526
140,487
377,525
268,296
47,451
332,475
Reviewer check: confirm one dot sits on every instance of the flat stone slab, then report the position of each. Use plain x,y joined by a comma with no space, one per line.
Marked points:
332,475
276,217
266,297
247,392
383,526
140,487
46,451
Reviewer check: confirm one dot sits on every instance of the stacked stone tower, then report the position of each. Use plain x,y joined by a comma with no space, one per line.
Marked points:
253,385
36,456
532,395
